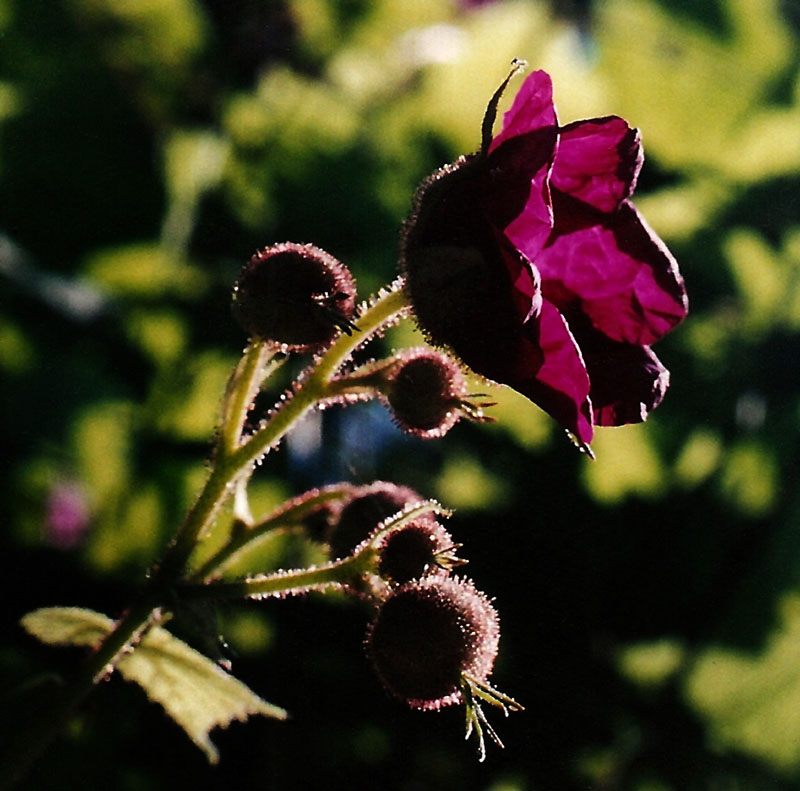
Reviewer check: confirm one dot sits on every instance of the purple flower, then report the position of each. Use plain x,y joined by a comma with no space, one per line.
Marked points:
529,261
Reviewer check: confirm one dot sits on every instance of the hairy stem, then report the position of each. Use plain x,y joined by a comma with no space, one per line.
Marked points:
242,388
245,538
316,385
233,457
311,391
331,575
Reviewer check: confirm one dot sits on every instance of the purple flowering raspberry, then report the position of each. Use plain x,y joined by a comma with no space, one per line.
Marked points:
529,261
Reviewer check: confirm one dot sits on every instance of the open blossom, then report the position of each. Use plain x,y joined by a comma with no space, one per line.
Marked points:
530,262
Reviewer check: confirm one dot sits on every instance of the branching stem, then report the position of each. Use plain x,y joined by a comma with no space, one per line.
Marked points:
233,458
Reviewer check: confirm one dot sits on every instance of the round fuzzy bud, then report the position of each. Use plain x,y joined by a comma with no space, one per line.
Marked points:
294,296
429,634
369,506
416,550
425,392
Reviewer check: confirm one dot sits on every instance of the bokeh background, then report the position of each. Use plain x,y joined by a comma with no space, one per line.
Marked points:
650,600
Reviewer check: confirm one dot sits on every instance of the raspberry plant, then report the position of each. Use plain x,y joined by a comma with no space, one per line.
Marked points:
483,278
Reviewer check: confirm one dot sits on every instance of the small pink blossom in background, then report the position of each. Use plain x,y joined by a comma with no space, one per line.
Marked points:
67,515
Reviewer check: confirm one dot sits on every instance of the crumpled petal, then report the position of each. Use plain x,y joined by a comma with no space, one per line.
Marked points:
561,385
528,260
628,381
516,195
615,268
598,161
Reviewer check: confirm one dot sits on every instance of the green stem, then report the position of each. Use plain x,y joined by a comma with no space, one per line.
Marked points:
331,575
245,538
408,515
312,390
242,388
282,582
316,385
341,388
229,464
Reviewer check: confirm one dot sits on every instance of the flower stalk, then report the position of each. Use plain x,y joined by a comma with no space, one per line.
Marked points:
332,575
245,537
315,388
234,457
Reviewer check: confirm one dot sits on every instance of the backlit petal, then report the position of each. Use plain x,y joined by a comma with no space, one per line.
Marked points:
615,268
628,382
561,385
598,161
531,110
517,195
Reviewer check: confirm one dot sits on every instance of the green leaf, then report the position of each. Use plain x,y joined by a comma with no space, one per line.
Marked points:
665,85
192,689
67,625
197,693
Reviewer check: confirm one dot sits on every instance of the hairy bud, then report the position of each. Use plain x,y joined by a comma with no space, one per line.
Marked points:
433,643
367,508
427,635
427,393
295,296
416,550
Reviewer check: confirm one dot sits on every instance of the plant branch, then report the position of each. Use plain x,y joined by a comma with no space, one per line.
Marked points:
233,457
245,538
331,575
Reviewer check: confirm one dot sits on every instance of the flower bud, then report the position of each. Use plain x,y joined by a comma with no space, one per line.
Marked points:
368,507
416,550
428,635
295,296
427,393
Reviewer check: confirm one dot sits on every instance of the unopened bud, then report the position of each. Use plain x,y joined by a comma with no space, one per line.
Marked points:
295,296
428,635
416,550
433,643
369,506
427,393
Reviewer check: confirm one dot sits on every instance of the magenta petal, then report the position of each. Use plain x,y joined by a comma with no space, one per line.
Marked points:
496,344
561,385
532,109
628,382
615,268
598,161
517,195
526,283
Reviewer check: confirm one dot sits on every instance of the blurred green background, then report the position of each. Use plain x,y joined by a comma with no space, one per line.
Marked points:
650,600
